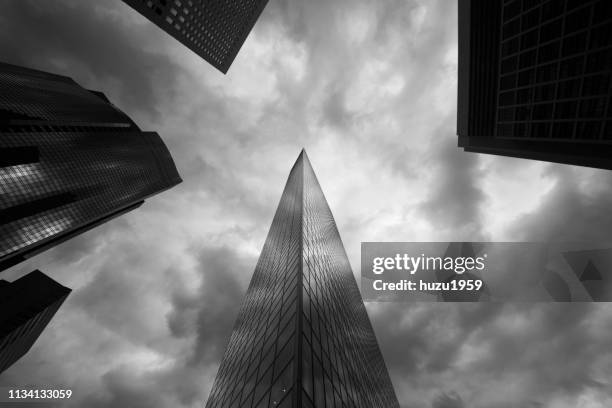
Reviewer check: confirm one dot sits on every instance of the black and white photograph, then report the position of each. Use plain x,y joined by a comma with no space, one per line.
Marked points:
306,204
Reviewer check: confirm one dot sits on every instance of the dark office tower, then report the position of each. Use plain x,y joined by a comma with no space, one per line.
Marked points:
213,29
26,307
534,79
69,161
303,338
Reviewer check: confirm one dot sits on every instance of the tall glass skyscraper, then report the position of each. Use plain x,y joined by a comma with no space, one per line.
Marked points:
535,79
303,338
215,30
26,307
69,160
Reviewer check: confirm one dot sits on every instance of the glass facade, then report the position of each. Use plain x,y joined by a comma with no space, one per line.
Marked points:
535,79
215,30
30,98
555,70
26,307
69,160
303,337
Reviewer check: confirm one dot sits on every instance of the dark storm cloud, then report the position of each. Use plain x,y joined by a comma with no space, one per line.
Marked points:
414,335
178,365
367,85
405,37
450,400
205,312
220,183
544,355
427,45
201,313
456,197
118,300
87,43
124,390
73,250
334,112
576,209
540,352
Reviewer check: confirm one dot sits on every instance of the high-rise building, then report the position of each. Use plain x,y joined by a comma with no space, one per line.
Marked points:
69,161
303,338
215,30
26,307
535,79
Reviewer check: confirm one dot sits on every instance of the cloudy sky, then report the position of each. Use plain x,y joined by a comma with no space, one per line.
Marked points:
369,89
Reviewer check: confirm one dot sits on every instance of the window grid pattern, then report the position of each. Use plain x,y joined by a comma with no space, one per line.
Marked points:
213,29
38,98
481,58
555,70
75,177
26,307
104,171
258,369
324,338
342,363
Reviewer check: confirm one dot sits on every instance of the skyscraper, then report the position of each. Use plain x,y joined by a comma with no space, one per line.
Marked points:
302,337
535,79
69,161
26,307
215,30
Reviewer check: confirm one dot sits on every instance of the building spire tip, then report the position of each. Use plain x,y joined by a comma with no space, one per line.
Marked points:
303,153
